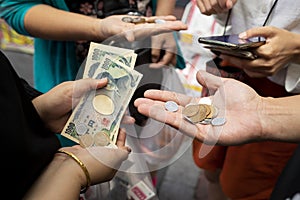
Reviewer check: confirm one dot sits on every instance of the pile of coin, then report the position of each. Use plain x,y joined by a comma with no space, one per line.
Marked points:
142,20
201,113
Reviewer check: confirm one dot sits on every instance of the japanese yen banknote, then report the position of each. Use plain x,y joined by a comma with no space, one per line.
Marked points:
96,119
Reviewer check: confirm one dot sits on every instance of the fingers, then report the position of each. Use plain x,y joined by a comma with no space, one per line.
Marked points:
129,35
83,85
256,32
167,58
161,95
209,7
167,18
157,111
122,139
127,120
208,80
155,54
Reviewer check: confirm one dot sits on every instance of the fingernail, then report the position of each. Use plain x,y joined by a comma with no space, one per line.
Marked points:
229,4
243,35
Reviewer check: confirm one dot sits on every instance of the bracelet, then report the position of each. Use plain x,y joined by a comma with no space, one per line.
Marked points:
83,167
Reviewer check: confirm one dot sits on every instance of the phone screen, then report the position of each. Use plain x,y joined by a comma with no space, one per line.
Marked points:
232,41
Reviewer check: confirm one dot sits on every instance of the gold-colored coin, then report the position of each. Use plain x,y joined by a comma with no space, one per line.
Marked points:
101,139
208,110
138,20
200,116
103,104
190,110
213,113
86,140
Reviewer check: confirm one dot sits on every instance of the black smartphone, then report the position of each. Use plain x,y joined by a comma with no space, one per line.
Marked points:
232,45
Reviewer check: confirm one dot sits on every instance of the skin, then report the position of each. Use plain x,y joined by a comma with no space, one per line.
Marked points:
50,23
165,41
249,116
55,106
64,178
209,7
281,47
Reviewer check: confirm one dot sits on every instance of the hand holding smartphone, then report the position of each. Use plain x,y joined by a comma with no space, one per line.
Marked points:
232,45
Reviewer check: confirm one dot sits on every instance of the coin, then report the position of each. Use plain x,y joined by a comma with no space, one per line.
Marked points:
159,21
206,121
190,110
200,116
86,140
101,139
208,110
171,106
127,19
138,20
103,104
218,121
81,129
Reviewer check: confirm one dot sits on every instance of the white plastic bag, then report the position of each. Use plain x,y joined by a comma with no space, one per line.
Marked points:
160,142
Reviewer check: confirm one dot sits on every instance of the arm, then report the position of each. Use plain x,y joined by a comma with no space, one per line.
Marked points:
50,23
165,41
249,117
64,178
165,7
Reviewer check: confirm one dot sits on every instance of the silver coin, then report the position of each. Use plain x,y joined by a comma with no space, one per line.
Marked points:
171,106
81,129
159,21
127,19
205,121
188,119
219,121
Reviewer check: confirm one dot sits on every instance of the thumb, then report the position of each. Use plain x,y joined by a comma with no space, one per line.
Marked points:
209,81
256,32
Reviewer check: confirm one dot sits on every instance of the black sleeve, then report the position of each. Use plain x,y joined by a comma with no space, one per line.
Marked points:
27,147
30,91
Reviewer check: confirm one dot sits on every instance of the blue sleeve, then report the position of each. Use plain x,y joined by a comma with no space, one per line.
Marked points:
13,12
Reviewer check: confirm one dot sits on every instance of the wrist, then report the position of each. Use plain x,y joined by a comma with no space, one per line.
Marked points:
264,113
98,33
296,57
275,118
74,164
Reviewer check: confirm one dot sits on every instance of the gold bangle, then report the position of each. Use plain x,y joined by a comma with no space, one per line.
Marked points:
83,167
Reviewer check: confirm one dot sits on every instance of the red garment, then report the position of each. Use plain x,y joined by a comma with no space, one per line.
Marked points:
249,171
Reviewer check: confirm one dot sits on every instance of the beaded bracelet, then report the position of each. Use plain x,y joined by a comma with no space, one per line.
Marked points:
83,167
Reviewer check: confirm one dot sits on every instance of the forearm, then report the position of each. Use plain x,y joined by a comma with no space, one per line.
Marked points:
46,22
280,118
165,7
62,179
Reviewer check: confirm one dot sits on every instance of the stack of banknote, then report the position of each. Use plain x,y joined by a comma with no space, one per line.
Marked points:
96,119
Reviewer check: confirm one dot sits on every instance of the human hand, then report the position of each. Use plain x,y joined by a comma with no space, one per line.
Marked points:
163,43
209,7
113,25
64,177
237,102
280,49
55,106
102,163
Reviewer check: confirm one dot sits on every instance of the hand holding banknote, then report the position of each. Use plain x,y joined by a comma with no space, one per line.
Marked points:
96,119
